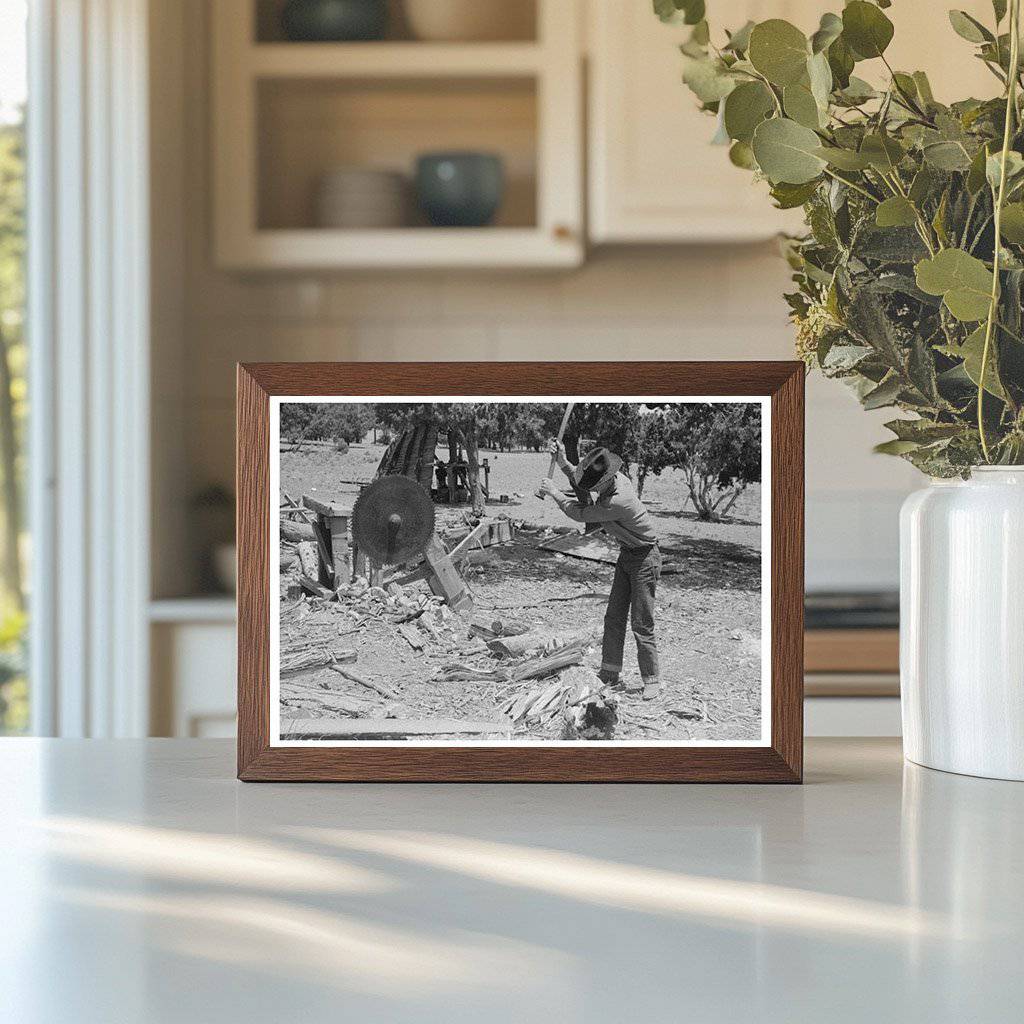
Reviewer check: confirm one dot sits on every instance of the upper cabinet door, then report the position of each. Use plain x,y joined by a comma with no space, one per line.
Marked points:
654,175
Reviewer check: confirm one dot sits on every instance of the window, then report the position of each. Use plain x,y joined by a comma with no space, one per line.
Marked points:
14,695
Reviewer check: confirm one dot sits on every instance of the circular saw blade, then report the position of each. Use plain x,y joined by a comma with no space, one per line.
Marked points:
392,520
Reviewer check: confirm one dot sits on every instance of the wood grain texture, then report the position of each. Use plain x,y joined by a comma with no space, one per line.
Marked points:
780,762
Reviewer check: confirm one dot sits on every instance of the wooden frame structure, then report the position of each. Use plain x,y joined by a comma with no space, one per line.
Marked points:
781,760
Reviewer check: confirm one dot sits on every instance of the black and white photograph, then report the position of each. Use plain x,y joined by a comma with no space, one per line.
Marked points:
517,571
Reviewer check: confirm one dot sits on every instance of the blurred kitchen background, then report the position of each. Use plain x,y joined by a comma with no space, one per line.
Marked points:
291,218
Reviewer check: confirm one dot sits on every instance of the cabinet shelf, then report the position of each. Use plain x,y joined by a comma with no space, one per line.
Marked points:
404,248
287,114
393,60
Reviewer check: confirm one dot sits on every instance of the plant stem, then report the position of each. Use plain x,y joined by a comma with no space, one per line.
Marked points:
853,185
1011,108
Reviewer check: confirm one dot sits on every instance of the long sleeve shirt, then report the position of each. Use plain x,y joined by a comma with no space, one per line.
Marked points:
619,511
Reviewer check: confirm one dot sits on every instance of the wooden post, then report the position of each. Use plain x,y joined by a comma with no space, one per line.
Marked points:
331,531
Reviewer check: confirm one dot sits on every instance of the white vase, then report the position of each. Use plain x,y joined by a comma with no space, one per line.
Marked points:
962,624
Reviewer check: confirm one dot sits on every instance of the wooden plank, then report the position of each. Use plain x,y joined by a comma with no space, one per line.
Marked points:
311,586
594,547
474,536
325,557
386,728
325,508
337,530
852,650
446,582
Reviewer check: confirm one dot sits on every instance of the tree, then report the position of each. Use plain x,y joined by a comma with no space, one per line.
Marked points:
319,421
719,452
12,348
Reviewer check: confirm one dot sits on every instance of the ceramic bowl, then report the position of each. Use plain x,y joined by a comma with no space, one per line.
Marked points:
470,20
332,21
460,189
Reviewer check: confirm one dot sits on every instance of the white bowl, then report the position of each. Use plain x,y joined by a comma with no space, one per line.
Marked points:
362,198
471,20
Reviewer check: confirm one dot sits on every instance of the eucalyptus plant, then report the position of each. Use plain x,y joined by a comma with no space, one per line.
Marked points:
910,278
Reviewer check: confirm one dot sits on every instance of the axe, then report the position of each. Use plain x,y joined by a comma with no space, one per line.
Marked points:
561,434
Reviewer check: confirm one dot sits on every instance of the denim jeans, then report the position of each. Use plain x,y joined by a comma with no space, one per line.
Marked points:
636,578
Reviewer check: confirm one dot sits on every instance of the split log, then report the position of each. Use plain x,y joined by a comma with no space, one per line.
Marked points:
310,586
386,728
384,691
308,559
517,646
489,627
545,666
296,532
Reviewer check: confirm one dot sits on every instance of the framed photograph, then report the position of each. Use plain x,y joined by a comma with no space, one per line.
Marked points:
578,572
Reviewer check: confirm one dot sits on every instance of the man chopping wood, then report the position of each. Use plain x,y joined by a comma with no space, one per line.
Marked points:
625,518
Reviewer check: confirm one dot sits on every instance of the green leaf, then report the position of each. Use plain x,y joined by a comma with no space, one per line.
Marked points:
866,29
779,51
971,351
857,91
829,30
741,155
993,167
963,281
739,41
895,212
707,78
844,159
885,394
923,431
976,173
969,28
895,447
819,74
690,12
999,9
1012,223
840,61
745,108
924,88
947,156
701,34
882,151
922,185
787,151
801,106
788,196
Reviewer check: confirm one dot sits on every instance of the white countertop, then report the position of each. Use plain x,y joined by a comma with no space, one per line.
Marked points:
140,882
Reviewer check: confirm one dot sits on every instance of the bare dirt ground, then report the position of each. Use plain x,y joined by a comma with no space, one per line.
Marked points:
708,612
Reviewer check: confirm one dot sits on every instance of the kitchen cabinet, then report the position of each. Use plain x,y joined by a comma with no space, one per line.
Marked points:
653,175
287,115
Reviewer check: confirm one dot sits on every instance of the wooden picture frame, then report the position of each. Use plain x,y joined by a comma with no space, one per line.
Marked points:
779,759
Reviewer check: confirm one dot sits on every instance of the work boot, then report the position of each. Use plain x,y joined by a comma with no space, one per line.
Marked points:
651,689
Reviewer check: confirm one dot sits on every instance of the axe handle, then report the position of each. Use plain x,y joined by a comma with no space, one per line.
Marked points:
561,434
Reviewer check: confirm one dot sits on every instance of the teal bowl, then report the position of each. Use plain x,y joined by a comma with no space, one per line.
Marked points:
460,190
334,21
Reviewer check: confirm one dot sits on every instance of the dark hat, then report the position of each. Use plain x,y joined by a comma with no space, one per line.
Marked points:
597,469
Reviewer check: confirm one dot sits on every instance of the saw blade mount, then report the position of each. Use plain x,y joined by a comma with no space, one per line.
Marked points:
392,520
